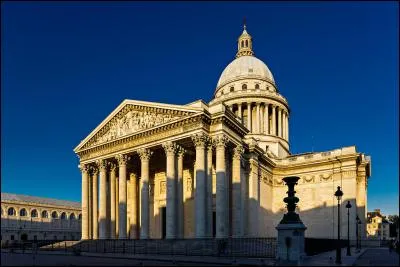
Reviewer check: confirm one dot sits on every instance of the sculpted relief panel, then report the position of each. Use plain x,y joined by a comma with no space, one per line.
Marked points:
132,122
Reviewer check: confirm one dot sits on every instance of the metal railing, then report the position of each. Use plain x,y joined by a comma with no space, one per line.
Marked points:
229,247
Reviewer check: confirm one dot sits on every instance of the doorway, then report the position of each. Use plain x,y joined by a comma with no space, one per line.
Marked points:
163,222
24,237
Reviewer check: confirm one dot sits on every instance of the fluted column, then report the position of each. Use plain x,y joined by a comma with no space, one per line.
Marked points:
122,218
284,124
266,119
181,219
113,169
287,127
85,201
249,113
237,192
144,155
170,151
95,218
90,205
273,128
102,164
134,207
240,112
279,122
209,193
117,206
199,141
222,214
258,118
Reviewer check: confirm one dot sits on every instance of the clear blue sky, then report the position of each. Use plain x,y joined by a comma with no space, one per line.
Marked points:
66,66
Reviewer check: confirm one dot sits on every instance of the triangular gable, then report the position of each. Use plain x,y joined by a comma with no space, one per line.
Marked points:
133,116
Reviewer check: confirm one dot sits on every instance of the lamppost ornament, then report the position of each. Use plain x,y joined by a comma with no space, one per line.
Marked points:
291,216
348,206
338,195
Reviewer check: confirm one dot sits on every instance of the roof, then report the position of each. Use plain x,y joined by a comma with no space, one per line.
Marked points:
40,200
373,214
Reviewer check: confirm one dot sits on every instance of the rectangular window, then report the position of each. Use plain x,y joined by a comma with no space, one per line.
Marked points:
12,237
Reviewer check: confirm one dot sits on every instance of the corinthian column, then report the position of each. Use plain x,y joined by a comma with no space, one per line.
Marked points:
236,193
171,216
199,141
287,127
209,193
90,205
240,112
95,218
85,201
113,169
222,216
181,153
134,207
258,121
144,155
266,119
279,122
102,164
249,113
122,218
273,128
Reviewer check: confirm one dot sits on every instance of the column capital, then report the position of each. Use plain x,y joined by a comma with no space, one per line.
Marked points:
101,164
145,153
170,147
238,151
180,152
113,166
93,169
122,159
200,139
83,168
221,140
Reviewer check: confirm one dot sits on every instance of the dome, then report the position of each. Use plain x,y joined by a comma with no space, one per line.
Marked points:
245,67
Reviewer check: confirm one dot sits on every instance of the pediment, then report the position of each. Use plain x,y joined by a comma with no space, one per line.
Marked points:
132,117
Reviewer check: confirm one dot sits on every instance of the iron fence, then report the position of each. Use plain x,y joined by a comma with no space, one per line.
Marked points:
229,247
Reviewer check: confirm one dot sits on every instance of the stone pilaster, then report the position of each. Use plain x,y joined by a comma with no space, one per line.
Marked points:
171,216
222,214
209,193
237,209
180,224
113,169
273,128
85,201
258,121
144,155
240,112
200,141
95,218
102,165
122,227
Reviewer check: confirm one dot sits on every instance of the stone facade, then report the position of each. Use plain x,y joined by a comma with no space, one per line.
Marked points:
216,169
378,226
29,218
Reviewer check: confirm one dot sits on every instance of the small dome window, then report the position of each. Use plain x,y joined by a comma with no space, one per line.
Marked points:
63,216
11,212
244,86
247,43
232,89
34,213
257,86
45,214
54,215
242,43
22,213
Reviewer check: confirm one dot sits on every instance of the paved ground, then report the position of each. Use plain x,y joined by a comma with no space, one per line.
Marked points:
328,258
378,257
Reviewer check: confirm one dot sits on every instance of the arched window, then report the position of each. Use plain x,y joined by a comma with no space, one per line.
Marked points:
244,86
257,86
242,43
34,213
80,216
22,212
11,212
247,43
45,214
232,89
63,216
72,216
54,215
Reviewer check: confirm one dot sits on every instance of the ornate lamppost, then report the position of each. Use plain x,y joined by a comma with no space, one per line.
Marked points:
338,195
357,237
348,206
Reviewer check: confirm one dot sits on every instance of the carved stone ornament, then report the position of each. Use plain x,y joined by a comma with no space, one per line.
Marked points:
180,152
238,151
170,147
93,169
133,121
83,167
112,166
200,139
102,164
221,140
325,176
163,187
122,159
145,153
308,179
